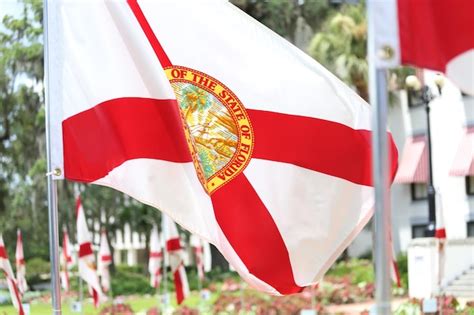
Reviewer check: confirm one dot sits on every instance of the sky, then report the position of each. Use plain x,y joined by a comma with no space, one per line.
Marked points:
11,7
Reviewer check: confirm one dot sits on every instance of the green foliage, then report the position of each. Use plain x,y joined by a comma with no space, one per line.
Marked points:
402,263
219,275
282,16
341,46
130,280
408,308
36,269
359,270
22,144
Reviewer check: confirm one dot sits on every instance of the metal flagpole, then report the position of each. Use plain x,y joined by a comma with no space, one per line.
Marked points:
52,187
379,100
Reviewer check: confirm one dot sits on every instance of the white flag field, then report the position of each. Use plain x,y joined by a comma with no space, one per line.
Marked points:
197,109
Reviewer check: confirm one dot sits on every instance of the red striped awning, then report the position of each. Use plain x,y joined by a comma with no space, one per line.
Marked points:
463,162
413,167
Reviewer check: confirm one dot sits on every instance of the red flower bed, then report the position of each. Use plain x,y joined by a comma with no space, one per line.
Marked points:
264,305
118,309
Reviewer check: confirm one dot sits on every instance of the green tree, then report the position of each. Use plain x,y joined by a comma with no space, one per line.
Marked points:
285,17
341,46
22,144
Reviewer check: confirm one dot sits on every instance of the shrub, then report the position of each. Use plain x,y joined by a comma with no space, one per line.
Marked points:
130,280
37,269
358,271
402,263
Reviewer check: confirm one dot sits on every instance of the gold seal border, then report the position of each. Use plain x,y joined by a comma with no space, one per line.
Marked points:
243,152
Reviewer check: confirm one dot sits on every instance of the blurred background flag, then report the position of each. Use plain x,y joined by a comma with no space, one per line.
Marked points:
11,282
104,261
198,250
20,264
66,260
431,34
86,261
244,140
175,257
156,257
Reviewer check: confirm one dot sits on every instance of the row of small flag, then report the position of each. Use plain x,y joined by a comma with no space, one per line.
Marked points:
98,278
16,284
86,260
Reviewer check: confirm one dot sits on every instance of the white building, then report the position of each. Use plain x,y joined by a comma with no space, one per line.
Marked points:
452,115
452,141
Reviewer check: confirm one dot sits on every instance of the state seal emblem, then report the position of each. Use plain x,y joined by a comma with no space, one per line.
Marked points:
217,126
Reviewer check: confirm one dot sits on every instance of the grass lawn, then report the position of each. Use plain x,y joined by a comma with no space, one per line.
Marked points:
139,304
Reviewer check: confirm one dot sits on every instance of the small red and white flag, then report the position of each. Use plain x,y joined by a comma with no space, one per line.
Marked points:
244,140
431,34
105,260
156,257
20,264
86,260
11,282
66,261
175,257
198,249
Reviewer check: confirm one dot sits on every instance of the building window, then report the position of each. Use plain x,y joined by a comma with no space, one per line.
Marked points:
418,230
470,229
470,185
419,191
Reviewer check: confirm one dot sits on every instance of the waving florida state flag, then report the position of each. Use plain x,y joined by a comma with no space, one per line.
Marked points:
175,258
66,261
156,256
104,261
197,109
432,34
11,282
20,264
86,260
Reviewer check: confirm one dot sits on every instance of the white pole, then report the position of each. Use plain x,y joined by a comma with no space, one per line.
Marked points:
81,294
52,188
164,232
379,100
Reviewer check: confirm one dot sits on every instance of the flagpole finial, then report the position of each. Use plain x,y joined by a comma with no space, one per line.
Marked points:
386,52
57,171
